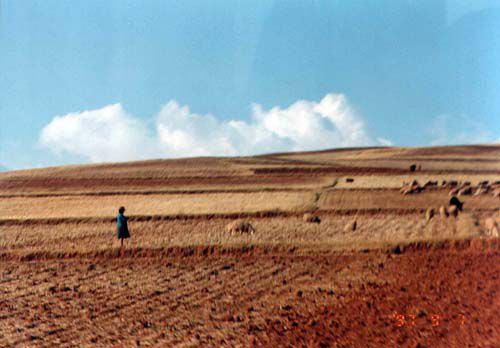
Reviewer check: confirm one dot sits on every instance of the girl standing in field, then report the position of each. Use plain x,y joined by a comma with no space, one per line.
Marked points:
121,223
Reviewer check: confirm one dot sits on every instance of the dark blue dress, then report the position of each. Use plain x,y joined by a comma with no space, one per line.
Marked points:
121,224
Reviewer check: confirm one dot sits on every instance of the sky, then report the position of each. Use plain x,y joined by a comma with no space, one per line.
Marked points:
98,81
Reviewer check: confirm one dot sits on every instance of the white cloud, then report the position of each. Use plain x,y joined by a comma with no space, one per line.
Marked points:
457,9
182,133
458,130
107,134
110,134
384,142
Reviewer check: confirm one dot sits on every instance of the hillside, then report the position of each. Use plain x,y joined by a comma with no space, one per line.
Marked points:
377,270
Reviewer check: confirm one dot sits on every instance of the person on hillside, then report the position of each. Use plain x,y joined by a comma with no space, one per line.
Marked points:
122,226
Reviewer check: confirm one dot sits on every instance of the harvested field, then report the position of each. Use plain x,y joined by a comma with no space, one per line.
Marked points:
123,185
456,158
53,207
458,154
437,165
182,280
395,182
374,231
393,199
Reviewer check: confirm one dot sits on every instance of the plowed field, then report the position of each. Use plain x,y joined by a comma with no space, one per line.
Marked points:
358,299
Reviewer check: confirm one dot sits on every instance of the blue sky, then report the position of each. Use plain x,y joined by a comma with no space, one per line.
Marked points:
91,81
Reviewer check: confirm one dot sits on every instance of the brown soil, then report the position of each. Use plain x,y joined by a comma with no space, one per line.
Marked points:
347,299
120,184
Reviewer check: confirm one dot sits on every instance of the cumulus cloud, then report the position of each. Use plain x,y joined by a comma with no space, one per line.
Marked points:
111,134
100,135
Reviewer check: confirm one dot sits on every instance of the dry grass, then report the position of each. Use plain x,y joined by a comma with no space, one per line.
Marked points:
233,174
427,164
393,199
98,206
464,152
159,168
470,158
371,231
371,181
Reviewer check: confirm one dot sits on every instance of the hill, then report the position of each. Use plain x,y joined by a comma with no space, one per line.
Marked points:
377,270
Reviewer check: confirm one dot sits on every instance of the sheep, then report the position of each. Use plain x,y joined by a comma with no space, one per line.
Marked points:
240,226
465,184
465,191
351,226
454,191
430,183
491,227
429,214
481,190
410,188
349,180
311,218
443,212
453,210
407,190
454,201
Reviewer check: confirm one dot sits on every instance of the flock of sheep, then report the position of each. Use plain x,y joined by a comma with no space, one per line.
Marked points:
244,226
455,205
457,189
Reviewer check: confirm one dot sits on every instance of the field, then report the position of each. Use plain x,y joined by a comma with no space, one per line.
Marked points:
183,280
